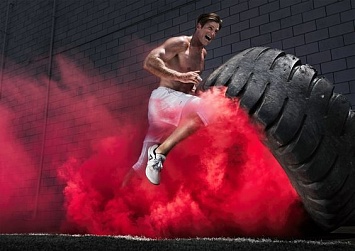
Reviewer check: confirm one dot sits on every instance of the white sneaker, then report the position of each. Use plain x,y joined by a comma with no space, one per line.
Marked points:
154,165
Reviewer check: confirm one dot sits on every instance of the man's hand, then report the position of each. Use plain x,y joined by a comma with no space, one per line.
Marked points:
189,77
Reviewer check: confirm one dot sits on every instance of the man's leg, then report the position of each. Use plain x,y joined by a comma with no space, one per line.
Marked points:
157,153
190,115
184,129
138,167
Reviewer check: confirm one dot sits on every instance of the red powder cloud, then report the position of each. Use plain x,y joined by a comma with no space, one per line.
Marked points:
30,195
17,176
221,181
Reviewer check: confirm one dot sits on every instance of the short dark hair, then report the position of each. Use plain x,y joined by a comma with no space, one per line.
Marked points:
204,18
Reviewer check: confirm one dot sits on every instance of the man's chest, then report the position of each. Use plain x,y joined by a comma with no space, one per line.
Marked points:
191,61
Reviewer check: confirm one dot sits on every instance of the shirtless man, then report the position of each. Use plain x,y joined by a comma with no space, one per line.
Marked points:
174,111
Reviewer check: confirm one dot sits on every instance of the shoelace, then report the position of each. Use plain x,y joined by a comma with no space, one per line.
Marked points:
157,164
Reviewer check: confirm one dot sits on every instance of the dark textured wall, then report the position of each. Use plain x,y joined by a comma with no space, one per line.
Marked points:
104,42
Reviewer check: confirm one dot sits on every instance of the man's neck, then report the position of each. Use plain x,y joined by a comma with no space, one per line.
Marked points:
196,43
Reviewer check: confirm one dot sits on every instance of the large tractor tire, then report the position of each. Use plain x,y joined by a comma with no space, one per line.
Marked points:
308,128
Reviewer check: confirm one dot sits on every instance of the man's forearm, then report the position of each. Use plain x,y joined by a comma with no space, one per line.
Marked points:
156,66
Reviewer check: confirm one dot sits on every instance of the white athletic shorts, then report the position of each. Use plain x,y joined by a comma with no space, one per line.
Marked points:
166,109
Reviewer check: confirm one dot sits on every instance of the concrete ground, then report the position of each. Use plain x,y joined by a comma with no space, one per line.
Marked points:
340,239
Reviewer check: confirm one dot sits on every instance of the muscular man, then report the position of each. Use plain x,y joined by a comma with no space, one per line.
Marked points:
174,111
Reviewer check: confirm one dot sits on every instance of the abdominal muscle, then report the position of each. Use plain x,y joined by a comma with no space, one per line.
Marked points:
178,86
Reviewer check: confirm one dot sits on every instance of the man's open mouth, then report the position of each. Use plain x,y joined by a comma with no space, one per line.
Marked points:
208,38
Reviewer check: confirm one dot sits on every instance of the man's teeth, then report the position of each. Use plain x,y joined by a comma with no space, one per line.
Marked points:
208,38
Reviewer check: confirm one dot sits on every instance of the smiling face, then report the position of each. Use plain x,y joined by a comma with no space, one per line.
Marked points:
207,32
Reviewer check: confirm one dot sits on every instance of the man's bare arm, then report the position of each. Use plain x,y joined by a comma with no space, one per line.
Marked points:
155,62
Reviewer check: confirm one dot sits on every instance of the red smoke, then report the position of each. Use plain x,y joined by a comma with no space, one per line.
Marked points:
17,175
221,181
31,198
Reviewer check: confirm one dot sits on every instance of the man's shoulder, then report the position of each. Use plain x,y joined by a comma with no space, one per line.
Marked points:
178,42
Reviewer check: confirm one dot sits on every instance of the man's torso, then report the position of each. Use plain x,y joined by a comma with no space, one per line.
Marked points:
190,59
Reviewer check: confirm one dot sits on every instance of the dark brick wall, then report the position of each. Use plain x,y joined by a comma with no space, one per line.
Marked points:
106,41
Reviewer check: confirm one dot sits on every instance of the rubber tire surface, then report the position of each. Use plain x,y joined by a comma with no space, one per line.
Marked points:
309,129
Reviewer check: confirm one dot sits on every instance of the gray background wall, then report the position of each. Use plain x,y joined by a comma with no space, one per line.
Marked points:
53,109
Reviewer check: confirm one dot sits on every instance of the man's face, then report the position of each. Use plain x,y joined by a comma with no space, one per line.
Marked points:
208,32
